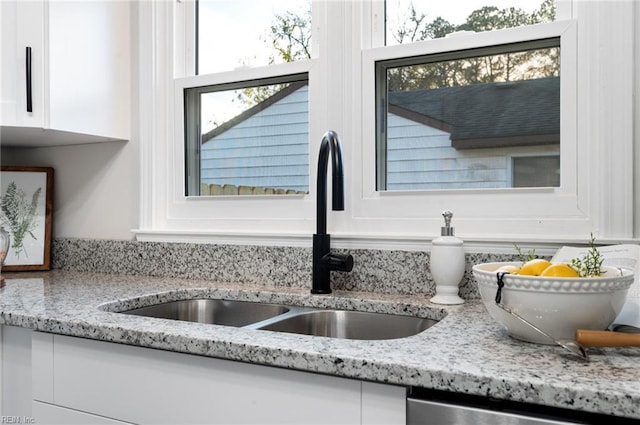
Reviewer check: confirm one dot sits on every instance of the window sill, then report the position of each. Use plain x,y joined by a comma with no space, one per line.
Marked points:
375,242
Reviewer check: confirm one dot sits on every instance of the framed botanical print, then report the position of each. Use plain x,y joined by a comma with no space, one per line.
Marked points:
26,208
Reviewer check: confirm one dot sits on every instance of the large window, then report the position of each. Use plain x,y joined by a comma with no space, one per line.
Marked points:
525,131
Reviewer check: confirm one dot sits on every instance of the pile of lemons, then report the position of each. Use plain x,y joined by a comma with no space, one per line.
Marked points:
540,267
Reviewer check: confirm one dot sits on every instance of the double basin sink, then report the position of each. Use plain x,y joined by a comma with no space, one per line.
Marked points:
292,319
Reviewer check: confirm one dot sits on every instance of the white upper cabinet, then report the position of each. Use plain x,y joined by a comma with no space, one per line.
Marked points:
65,72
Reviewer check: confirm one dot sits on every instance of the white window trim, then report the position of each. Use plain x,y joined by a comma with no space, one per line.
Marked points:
510,211
600,200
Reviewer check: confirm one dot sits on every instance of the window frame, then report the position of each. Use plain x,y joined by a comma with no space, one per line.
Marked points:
601,200
470,205
234,212
381,89
192,123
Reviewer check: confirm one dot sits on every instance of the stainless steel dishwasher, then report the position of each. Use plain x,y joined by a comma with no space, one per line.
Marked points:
426,407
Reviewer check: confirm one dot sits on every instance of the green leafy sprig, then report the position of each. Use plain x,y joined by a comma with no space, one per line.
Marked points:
528,256
590,264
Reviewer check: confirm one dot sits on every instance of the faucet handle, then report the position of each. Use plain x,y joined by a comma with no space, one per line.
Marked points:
338,262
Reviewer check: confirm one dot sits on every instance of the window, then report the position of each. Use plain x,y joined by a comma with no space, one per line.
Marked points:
535,171
248,139
451,120
554,188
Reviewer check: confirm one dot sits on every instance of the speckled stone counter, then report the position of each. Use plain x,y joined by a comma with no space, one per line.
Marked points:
465,352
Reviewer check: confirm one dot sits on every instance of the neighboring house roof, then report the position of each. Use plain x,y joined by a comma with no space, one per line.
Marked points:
516,113
291,88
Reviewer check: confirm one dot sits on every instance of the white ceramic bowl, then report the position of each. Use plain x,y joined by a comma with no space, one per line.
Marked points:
556,305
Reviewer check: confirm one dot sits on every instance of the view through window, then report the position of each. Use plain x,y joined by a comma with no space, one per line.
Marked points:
260,149
451,120
455,120
252,137
233,34
408,21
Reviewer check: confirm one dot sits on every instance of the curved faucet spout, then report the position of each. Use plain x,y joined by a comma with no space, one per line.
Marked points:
323,259
330,144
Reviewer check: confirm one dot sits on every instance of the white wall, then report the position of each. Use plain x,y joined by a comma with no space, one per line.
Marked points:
95,187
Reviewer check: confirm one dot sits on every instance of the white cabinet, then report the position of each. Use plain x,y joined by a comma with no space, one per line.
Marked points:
15,372
85,381
75,58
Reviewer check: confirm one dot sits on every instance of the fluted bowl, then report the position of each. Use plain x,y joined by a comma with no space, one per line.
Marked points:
556,305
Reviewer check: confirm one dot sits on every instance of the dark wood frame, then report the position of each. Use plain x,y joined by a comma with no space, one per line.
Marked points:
46,265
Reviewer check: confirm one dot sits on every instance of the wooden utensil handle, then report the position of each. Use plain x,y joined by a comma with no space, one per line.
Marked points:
590,338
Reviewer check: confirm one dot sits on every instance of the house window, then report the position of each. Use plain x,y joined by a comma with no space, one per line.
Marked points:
536,171
248,132
593,154
452,120
248,138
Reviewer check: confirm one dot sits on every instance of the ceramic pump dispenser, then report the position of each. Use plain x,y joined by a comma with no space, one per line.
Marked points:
447,264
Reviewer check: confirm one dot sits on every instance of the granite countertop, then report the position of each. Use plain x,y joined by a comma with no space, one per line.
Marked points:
465,352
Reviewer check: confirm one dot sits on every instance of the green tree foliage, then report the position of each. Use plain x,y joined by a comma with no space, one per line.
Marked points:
289,37
485,69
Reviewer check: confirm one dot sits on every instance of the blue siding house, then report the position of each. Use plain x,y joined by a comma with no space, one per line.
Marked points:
267,146
489,135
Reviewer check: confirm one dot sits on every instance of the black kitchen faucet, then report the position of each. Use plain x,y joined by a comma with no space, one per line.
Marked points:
323,259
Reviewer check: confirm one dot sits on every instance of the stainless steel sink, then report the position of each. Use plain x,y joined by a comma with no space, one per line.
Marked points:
217,312
351,325
284,318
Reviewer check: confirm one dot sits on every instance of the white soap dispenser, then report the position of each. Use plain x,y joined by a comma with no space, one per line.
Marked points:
447,264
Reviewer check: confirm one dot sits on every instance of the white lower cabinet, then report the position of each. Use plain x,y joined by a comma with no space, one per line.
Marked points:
15,372
85,381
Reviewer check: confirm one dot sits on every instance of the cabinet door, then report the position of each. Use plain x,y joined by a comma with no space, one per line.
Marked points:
15,384
79,71
142,385
23,24
89,74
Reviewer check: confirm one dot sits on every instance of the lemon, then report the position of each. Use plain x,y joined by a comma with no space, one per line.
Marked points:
509,268
534,267
559,270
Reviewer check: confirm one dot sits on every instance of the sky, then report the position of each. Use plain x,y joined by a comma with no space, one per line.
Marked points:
456,11
254,18
234,47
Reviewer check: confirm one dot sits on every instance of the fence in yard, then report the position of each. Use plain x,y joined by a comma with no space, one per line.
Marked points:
230,189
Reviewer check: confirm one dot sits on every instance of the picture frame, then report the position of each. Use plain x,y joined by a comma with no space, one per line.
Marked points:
26,210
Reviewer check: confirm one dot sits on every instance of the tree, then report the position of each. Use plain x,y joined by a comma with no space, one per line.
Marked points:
291,36
290,39
483,69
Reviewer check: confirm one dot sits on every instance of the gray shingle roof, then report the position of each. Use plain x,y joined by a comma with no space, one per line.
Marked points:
487,115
